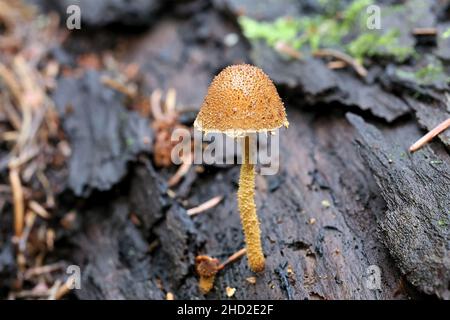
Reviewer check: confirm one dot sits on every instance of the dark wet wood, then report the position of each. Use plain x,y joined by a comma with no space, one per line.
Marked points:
104,135
313,251
416,188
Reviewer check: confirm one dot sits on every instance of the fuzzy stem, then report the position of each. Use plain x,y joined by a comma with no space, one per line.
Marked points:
247,209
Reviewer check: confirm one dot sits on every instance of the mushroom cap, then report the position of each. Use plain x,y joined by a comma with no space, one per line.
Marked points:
206,266
240,100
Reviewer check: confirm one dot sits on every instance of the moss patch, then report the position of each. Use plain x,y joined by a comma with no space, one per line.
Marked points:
431,73
334,29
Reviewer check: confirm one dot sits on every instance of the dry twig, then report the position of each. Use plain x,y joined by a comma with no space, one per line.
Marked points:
286,49
211,203
425,31
359,68
430,135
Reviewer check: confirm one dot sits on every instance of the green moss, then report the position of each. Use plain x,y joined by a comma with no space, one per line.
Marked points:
329,31
326,204
353,12
282,29
313,31
443,223
129,142
432,72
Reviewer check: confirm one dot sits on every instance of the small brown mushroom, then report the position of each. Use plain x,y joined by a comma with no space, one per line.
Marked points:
242,100
208,267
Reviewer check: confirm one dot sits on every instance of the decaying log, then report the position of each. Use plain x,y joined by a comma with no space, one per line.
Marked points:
113,256
316,218
104,136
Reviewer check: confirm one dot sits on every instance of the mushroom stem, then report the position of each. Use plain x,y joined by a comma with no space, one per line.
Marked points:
206,284
247,209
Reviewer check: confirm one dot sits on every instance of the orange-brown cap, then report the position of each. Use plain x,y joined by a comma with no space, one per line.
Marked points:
241,99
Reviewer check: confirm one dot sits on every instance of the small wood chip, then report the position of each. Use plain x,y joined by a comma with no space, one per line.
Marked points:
65,288
50,239
30,218
251,280
68,221
129,91
153,245
171,98
181,172
172,194
230,291
134,219
336,64
170,296
37,271
199,169
155,104
290,270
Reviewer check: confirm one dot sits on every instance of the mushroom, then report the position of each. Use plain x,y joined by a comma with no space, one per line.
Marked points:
241,101
207,269
430,135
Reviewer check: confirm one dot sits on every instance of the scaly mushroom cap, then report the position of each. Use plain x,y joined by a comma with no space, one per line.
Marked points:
241,99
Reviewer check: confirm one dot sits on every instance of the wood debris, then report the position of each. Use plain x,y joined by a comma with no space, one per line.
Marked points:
251,280
26,74
359,68
430,135
424,31
208,267
165,122
286,49
230,291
